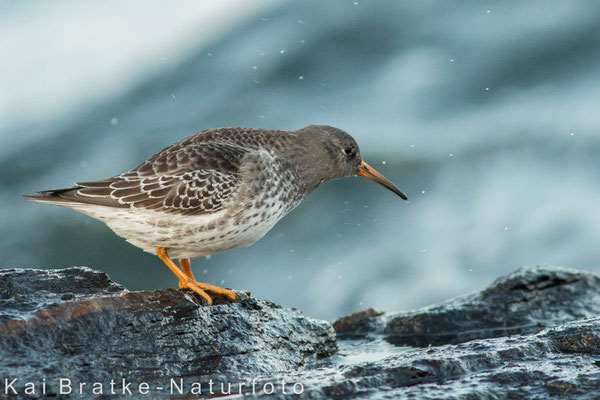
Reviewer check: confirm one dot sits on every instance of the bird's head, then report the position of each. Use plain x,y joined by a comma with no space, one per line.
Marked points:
332,153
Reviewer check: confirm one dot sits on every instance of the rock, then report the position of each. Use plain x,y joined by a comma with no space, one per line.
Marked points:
531,334
77,323
561,362
526,301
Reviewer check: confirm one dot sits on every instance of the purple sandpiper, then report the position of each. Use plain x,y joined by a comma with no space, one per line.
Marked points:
216,190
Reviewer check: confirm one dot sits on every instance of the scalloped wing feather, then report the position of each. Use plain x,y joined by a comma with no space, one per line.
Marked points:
195,179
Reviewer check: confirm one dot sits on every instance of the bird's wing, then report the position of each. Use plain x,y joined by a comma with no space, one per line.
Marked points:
195,179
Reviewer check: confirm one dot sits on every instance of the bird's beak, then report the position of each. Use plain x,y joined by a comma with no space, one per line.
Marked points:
368,172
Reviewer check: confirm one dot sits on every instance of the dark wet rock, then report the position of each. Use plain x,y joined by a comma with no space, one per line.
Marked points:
526,301
561,362
532,334
360,323
77,323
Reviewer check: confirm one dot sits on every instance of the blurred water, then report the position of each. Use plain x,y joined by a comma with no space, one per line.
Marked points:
484,113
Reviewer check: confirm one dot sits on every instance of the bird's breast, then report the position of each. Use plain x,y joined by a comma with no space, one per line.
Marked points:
268,195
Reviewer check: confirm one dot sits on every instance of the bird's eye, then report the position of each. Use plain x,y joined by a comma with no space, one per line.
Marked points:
348,150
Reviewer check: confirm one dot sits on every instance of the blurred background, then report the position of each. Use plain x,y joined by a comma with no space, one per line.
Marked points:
484,113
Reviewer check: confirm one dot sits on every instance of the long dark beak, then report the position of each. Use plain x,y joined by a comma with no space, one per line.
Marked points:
368,172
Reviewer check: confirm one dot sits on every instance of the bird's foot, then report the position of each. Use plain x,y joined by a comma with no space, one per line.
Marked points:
186,278
201,289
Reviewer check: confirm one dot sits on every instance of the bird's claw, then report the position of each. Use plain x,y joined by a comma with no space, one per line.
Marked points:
201,289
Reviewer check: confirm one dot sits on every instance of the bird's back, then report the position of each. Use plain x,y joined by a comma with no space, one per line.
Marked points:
193,175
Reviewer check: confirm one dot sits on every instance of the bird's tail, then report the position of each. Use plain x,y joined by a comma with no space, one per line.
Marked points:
55,196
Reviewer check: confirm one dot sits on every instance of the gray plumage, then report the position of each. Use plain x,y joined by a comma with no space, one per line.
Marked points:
216,190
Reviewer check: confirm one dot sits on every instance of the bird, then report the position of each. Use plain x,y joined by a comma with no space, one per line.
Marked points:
216,190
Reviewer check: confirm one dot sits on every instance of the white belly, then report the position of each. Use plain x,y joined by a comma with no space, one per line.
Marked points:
188,236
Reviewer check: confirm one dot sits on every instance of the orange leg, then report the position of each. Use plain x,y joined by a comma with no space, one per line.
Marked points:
186,279
186,267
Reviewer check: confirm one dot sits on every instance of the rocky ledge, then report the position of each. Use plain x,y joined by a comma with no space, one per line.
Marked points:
77,324
532,334
523,302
